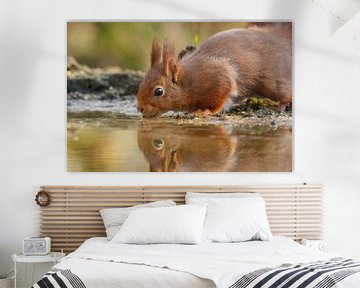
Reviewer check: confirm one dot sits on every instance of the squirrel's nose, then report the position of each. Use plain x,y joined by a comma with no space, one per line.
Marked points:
140,108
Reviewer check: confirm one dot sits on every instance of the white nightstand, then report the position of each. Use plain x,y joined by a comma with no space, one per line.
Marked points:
53,257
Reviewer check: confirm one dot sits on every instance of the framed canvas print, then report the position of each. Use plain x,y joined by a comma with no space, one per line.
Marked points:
179,96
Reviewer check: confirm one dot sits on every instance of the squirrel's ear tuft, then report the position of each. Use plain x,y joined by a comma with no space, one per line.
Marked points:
155,53
166,58
175,70
171,68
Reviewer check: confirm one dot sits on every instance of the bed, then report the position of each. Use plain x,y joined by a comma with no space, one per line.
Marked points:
98,263
294,210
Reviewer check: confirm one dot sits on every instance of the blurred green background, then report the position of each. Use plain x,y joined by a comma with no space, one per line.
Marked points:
127,44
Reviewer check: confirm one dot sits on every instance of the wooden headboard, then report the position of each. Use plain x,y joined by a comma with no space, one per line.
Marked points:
73,214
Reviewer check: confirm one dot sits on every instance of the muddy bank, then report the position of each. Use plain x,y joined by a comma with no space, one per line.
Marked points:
110,93
84,83
126,109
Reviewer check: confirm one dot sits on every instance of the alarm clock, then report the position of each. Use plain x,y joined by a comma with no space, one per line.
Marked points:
320,245
36,246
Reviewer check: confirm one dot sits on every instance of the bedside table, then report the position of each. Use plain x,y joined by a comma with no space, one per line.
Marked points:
53,257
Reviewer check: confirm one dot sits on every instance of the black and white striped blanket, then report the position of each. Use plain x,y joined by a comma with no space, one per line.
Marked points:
59,278
320,274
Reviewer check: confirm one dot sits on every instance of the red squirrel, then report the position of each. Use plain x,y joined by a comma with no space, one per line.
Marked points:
229,64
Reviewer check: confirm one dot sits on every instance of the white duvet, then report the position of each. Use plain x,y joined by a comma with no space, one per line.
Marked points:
100,263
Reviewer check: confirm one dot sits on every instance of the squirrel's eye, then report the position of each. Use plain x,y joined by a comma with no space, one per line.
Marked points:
158,91
158,144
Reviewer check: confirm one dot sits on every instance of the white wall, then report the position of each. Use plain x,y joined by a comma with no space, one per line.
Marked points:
33,108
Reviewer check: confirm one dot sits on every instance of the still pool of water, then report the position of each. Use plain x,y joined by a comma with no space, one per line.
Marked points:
133,145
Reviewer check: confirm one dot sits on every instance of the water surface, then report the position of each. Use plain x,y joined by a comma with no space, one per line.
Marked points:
129,145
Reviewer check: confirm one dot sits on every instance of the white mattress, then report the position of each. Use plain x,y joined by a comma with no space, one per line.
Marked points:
102,264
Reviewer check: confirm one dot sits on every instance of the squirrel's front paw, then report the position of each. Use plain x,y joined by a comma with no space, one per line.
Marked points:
202,113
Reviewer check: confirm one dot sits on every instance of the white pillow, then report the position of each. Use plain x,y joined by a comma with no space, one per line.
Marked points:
180,224
236,220
204,198
113,218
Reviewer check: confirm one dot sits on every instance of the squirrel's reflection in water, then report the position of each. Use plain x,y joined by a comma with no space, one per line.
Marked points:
171,147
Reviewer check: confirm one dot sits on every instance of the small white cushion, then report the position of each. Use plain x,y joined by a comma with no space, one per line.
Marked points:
204,198
180,224
113,218
236,220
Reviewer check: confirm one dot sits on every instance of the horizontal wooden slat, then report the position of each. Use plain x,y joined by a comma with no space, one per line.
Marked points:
104,198
95,211
73,227
73,216
188,188
50,232
285,218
